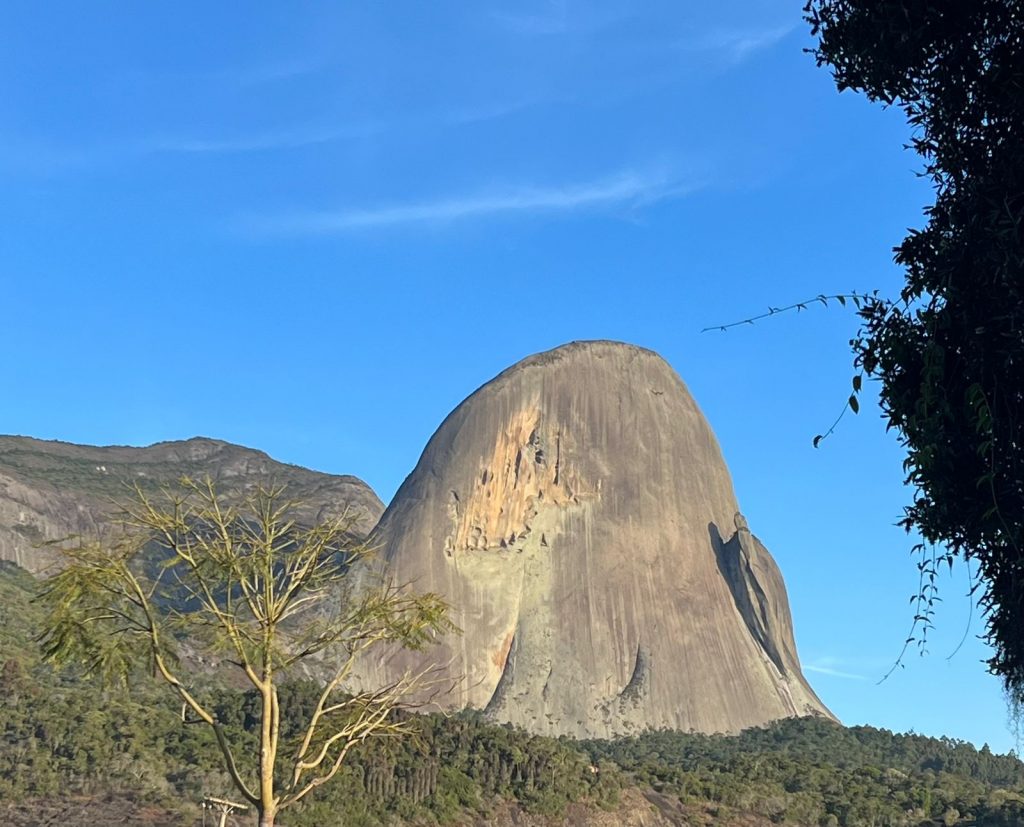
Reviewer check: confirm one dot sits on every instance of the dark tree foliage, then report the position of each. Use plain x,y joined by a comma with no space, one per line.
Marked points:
949,351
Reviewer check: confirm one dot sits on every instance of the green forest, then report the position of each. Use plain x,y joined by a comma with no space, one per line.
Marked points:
64,737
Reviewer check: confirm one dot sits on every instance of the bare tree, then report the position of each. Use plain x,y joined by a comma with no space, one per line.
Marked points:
194,575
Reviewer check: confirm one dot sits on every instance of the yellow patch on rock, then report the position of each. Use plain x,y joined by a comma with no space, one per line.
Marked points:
524,473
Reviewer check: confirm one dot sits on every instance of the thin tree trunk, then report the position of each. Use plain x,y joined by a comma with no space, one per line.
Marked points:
268,751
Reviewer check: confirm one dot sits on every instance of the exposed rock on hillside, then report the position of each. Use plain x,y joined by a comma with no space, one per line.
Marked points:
578,514
50,490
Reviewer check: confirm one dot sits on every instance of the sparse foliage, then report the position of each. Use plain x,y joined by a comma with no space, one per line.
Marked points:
191,579
857,300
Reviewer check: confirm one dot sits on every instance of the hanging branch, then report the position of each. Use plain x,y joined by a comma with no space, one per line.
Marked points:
858,300
842,298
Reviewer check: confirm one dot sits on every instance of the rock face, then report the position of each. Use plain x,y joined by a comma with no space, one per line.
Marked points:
577,513
50,490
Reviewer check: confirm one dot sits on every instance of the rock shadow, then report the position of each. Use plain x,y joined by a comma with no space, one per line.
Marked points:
733,557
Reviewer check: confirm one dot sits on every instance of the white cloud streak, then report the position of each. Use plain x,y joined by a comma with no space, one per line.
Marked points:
276,72
627,189
257,142
533,24
245,75
39,157
835,673
306,136
560,17
736,46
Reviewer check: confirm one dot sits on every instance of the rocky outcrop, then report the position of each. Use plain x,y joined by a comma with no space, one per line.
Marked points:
51,490
577,513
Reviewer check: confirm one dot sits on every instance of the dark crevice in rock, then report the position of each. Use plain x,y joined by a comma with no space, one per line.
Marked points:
546,691
634,690
537,444
734,563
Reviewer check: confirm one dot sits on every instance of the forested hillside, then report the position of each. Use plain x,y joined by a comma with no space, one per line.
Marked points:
67,740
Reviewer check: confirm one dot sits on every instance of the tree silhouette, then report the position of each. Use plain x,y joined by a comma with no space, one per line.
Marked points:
948,352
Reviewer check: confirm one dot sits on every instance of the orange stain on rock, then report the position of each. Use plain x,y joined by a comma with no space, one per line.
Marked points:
525,469
500,658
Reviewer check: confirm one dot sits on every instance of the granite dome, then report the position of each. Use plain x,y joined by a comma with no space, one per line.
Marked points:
577,512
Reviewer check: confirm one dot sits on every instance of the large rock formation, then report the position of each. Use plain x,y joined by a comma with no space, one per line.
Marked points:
577,513
51,490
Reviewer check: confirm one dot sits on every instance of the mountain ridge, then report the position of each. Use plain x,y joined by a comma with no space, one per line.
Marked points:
51,489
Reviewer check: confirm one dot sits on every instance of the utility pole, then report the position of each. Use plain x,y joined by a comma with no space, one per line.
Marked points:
222,806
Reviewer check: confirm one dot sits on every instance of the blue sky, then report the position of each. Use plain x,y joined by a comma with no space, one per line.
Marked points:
314,228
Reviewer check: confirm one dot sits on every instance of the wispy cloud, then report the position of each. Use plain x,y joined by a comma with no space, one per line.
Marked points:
484,112
835,673
257,141
313,135
628,189
558,18
534,24
237,75
277,71
38,155
736,45
852,669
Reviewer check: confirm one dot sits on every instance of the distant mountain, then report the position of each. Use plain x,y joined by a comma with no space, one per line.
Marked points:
50,490
577,513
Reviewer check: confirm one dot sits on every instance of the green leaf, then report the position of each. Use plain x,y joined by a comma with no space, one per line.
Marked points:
854,404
